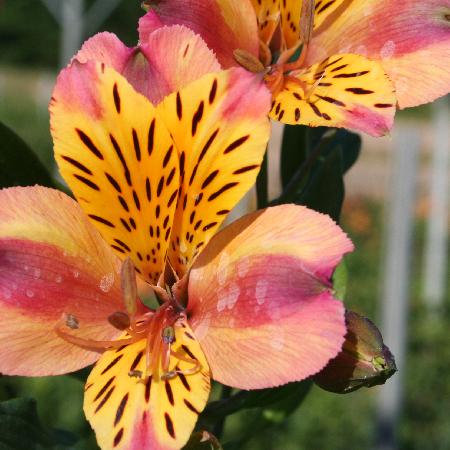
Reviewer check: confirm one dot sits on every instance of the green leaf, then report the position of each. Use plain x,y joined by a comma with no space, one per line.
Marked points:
313,165
19,166
203,440
274,408
20,428
325,189
258,398
298,142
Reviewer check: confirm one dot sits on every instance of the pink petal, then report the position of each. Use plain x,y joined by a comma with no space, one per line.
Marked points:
410,37
260,299
52,261
108,49
166,61
176,57
224,26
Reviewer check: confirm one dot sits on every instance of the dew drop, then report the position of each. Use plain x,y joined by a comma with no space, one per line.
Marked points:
261,291
222,270
229,297
277,342
243,267
387,50
183,246
37,273
58,279
106,282
29,293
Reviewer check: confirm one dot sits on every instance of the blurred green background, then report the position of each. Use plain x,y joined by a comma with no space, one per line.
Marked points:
29,49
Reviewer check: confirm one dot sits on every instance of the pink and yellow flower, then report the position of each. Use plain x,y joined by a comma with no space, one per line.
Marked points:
353,54
251,307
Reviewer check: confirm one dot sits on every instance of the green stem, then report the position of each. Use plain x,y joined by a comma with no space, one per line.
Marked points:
262,189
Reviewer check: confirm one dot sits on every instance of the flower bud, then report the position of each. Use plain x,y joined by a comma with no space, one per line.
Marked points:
363,361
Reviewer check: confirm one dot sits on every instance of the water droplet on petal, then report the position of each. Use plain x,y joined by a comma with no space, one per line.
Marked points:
37,273
58,279
106,282
222,270
228,297
261,291
29,293
387,50
183,246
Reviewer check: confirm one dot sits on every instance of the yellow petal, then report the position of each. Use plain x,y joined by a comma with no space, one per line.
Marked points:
324,9
343,91
290,21
290,17
128,412
268,15
118,159
219,125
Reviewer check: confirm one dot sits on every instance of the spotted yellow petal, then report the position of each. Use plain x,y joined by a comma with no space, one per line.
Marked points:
268,16
290,11
290,17
343,91
127,412
118,159
323,9
411,38
219,125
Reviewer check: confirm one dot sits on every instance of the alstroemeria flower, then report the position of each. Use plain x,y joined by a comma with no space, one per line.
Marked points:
351,53
254,309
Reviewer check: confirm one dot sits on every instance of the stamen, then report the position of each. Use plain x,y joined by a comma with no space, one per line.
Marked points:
129,286
168,335
169,375
248,61
135,373
71,321
307,21
91,344
119,320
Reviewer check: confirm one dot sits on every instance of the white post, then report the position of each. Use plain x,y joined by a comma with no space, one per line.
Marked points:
71,28
396,281
435,261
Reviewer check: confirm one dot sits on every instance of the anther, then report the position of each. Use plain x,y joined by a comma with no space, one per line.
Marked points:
71,321
119,320
129,286
169,375
135,373
168,335
248,61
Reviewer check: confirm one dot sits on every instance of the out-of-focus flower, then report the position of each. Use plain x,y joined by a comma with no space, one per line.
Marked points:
364,360
253,308
350,56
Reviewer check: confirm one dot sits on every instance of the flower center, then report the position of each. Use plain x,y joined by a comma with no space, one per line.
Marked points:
157,327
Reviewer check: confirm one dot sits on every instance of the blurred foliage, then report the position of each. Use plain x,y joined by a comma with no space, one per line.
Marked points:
24,23
19,165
